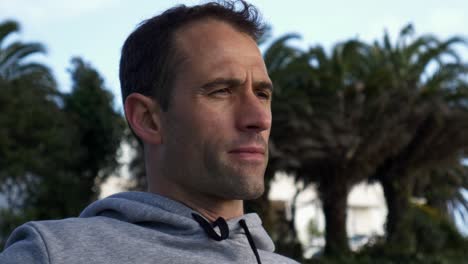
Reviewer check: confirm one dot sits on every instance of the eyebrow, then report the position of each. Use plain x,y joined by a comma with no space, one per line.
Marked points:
233,82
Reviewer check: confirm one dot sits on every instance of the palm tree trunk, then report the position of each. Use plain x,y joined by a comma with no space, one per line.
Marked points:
292,221
397,191
334,196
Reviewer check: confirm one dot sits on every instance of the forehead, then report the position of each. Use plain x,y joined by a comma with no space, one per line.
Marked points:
213,44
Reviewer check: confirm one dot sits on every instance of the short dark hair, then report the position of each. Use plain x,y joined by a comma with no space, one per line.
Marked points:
147,64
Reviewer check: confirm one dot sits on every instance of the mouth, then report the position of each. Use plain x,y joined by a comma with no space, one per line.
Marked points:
249,153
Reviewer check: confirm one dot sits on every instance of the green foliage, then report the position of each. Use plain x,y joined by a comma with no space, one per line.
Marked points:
54,148
440,258
34,146
435,241
13,65
367,111
90,107
96,130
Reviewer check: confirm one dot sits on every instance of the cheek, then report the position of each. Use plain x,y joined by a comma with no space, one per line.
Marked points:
214,133
201,126
213,120
199,131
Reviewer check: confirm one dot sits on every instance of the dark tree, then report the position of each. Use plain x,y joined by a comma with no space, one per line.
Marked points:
365,112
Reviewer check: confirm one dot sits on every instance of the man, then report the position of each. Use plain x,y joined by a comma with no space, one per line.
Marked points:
197,95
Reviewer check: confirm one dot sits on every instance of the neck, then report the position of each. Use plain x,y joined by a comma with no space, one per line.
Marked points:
209,206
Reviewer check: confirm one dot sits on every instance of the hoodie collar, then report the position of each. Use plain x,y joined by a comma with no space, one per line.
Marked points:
149,208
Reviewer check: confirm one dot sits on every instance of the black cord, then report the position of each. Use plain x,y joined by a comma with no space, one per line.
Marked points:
243,224
220,222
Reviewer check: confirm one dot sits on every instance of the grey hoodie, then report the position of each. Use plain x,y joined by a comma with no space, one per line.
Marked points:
137,227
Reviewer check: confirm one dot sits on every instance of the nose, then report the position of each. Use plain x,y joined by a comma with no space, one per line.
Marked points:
254,113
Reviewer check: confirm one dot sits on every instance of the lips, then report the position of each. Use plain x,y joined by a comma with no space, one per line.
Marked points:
253,150
249,153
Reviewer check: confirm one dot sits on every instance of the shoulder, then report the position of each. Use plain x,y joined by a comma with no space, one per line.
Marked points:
25,245
62,227
36,242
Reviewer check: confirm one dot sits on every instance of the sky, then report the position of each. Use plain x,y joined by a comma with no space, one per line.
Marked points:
96,29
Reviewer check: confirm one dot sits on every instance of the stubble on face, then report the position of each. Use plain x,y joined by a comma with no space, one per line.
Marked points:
241,180
202,164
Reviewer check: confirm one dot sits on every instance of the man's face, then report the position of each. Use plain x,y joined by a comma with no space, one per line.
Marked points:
215,132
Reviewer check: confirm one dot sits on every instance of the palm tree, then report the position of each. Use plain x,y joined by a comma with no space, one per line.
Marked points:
365,112
24,85
13,58
318,125
436,120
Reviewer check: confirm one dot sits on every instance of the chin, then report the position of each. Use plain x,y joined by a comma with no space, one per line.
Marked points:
253,196
249,192
240,182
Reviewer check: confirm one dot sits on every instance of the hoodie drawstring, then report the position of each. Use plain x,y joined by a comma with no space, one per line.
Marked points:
243,224
220,222
224,231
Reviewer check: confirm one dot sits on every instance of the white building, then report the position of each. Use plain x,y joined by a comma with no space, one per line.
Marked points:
365,216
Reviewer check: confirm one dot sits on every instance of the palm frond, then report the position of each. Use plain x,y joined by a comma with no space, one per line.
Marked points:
6,28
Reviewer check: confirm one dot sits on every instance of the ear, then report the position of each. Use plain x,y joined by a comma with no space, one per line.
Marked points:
144,116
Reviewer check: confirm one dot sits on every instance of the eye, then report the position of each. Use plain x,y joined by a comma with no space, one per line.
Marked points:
221,91
264,94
